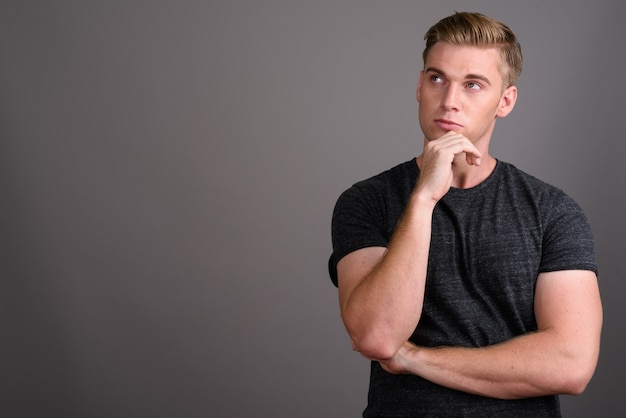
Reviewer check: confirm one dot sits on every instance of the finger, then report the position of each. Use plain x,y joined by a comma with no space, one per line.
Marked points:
472,159
459,145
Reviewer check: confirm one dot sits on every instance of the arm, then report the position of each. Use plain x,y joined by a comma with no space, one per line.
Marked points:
381,291
559,358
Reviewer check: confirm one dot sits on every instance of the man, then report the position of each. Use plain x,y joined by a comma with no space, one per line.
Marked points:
470,284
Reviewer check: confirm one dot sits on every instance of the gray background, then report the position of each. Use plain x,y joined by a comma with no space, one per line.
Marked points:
168,172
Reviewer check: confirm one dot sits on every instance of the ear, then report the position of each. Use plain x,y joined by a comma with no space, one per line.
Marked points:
419,85
507,102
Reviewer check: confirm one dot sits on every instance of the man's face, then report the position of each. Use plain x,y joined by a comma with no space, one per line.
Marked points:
460,89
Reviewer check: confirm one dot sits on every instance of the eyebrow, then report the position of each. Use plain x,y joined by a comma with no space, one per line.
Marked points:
467,76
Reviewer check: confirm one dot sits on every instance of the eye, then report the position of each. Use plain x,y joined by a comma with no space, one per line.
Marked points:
436,78
473,85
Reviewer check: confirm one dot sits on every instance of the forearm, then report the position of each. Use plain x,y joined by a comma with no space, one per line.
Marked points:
560,357
534,364
383,310
381,303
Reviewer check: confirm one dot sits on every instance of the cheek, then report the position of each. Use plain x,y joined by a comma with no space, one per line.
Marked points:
427,98
490,109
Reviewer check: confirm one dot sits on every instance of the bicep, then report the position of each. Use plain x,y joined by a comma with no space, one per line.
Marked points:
567,305
354,267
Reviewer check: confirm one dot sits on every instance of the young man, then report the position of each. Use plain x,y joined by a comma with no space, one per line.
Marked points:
470,284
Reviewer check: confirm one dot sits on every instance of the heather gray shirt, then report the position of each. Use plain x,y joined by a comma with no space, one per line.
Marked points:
488,245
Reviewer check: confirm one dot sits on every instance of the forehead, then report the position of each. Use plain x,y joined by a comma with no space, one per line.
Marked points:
460,60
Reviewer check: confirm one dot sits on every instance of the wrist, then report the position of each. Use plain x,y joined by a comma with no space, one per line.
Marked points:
423,200
415,358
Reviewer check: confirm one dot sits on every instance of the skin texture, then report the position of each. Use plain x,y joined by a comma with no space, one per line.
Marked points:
381,290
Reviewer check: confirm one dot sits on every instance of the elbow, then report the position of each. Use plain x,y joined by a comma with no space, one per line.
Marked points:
377,346
376,339
577,381
574,387
578,376
577,390
376,351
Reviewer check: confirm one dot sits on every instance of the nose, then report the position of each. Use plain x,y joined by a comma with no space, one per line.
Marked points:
451,98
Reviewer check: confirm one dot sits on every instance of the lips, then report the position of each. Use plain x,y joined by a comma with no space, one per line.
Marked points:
448,125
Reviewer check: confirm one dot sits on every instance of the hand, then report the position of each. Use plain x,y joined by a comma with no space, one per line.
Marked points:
436,163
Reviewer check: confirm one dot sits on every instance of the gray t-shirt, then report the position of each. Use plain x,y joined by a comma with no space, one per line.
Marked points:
488,244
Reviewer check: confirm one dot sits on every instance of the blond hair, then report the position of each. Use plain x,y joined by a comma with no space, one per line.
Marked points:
475,29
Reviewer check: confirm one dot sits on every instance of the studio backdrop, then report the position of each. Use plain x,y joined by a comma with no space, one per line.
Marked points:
168,171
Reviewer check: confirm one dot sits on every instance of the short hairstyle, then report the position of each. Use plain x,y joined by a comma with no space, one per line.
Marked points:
475,29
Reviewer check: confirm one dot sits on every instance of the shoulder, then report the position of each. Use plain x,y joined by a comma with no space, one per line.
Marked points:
566,241
397,179
520,178
524,184
561,215
528,196
379,197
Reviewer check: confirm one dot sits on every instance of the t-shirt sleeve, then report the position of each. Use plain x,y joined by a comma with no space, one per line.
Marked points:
568,242
357,223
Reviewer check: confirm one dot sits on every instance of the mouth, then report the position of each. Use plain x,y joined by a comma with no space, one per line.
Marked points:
448,125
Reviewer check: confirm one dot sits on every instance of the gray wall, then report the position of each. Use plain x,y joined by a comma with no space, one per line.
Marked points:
168,172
